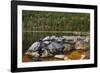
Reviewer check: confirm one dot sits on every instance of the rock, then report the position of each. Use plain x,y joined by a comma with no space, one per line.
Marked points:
66,58
33,54
46,38
87,39
34,46
53,38
45,53
54,47
46,42
73,38
82,56
60,39
52,50
67,48
82,45
59,56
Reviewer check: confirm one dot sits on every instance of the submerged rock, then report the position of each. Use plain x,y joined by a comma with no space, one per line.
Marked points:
75,55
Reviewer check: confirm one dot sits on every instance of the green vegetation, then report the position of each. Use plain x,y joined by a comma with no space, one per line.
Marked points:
51,21
57,21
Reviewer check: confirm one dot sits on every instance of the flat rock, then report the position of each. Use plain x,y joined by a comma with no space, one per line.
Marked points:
59,56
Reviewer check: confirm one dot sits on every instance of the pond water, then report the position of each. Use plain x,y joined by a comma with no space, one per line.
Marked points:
72,55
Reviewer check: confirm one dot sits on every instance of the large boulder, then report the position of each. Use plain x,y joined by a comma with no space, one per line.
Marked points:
35,49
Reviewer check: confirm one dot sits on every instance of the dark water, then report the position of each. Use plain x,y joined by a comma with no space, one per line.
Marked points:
27,58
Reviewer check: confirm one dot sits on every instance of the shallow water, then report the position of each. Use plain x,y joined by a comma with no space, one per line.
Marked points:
73,55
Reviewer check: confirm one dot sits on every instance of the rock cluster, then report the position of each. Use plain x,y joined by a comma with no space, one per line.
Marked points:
59,47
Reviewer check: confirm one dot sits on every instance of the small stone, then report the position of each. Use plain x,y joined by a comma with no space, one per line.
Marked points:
82,57
66,58
59,56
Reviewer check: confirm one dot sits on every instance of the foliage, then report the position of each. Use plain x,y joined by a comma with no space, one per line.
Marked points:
55,21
